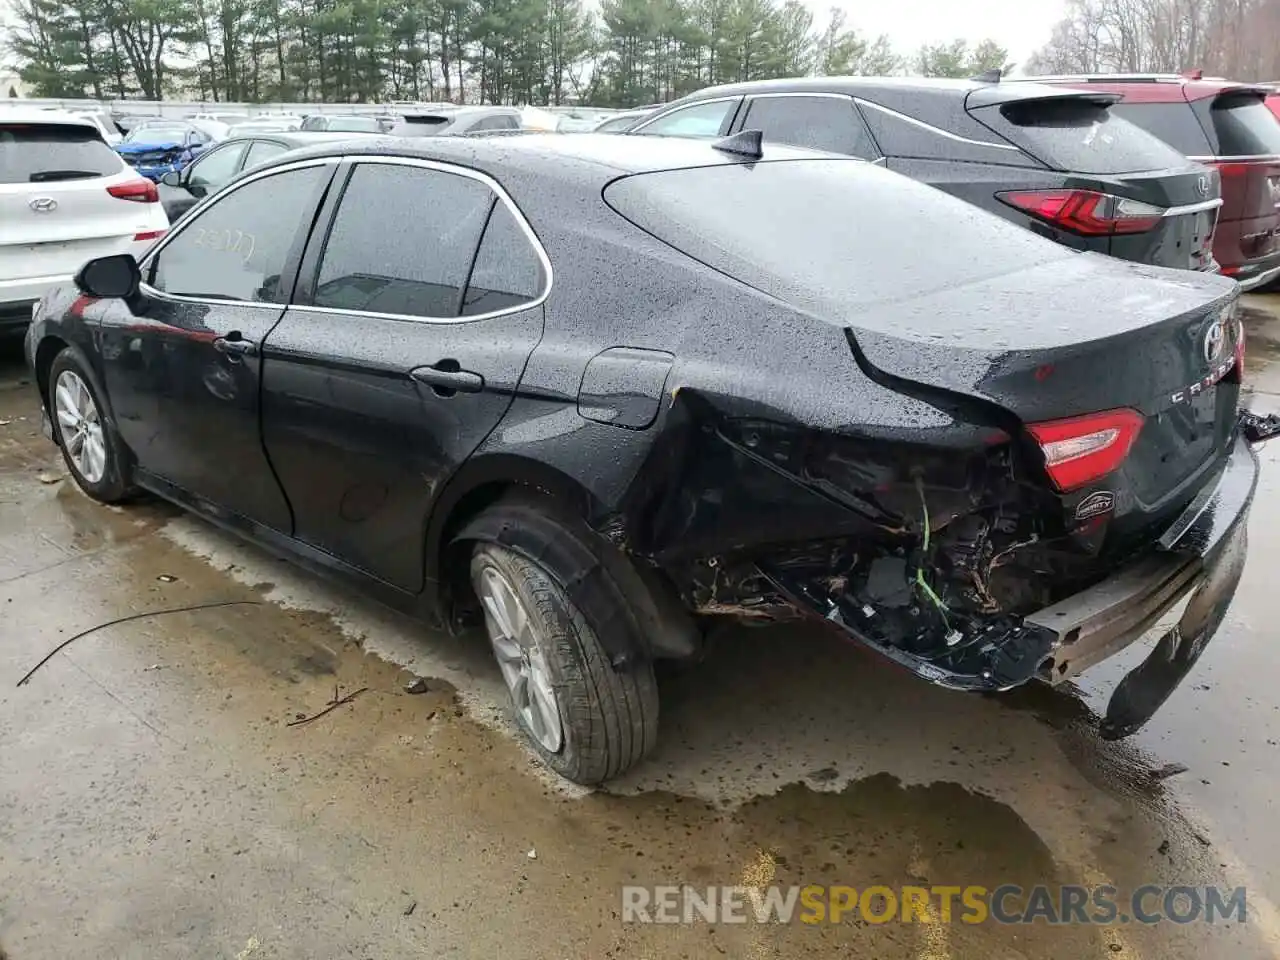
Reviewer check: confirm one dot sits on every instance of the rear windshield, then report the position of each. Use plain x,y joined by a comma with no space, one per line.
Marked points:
829,236
43,153
1174,123
421,125
1083,136
1245,127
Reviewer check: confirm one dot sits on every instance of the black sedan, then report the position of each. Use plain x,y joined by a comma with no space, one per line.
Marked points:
214,169
594,390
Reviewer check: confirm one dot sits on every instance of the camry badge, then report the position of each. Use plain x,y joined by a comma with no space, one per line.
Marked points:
43,204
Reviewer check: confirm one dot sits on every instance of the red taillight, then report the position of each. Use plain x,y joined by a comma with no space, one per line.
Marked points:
139,191
1079,450
1085,211
1239,349
149,235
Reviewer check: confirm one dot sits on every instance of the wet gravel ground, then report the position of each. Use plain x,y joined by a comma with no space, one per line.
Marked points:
154,802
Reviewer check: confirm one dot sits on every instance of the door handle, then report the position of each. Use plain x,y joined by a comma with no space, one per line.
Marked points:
235,347
445,379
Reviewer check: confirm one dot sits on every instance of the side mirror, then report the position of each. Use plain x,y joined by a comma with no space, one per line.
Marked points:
111,277
172,179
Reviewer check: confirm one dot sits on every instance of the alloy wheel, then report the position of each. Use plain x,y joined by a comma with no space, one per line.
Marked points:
80,425
521,651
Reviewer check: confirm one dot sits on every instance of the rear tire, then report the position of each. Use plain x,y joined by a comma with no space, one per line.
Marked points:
607,716
97,459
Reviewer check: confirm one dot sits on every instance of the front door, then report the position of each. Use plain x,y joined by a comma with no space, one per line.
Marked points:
410,333
183,363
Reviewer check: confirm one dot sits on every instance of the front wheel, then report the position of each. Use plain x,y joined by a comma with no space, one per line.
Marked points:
588,720
94,454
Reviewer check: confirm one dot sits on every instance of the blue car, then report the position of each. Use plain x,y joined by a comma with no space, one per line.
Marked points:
161,146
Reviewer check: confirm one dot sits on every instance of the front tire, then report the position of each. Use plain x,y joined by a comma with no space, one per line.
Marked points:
588,720
92,451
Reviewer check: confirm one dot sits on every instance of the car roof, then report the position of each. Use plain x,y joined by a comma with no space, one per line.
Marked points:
297,138
35,115
593,158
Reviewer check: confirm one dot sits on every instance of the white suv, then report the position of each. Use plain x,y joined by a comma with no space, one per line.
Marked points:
65,197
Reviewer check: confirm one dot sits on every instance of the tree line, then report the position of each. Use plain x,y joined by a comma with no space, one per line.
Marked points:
1230,38
628,52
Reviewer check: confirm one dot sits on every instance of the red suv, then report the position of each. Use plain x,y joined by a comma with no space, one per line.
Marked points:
1225,124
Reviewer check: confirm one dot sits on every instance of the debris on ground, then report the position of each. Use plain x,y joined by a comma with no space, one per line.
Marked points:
250,948
532,854
333,705
154,666
408,911
1163,848
416,685
44,476
167,578
135,616
1169,770
825,775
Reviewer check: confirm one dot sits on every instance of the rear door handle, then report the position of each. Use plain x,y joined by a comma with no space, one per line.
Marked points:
445,379
235,347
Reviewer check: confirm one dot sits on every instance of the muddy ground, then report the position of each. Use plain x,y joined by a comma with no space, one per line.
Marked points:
155,803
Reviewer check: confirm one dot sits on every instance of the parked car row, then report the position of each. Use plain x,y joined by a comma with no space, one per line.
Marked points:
1171,170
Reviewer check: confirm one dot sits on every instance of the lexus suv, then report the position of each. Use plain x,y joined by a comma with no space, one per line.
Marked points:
65,197
1229,126
1057,161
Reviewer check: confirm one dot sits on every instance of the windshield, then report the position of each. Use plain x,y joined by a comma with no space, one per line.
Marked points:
33,153
1079,135
158,133
354,124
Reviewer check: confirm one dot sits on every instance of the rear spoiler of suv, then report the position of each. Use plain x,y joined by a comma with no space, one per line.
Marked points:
995,96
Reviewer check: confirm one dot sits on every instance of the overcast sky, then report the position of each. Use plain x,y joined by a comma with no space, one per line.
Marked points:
1021,26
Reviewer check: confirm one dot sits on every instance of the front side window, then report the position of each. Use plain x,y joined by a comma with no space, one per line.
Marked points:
708,119
819,123
236,248
403,241
216,167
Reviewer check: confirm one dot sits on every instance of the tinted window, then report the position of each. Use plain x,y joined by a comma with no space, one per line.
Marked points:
1174,123
831,236
507,271
496,123
260,151
313,123
353,124
403,241
819,123
216,167
1245,127
236,248
617,125
697,120
1080,135
34,154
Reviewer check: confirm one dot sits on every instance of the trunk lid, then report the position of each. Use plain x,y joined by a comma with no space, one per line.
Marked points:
1078,337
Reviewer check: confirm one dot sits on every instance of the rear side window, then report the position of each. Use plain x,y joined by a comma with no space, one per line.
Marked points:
1081,136
819,123
403,241
507,272
831,236
707,119
1174,123
1245,127
40,153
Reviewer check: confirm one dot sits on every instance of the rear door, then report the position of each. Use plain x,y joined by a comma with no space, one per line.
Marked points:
417,310
818,121
1119,183
55,208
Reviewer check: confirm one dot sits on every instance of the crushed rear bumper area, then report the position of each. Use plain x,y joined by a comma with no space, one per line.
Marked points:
1201,557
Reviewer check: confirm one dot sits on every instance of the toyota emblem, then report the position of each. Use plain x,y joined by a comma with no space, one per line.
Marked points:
43,204
1214,340
1202,185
